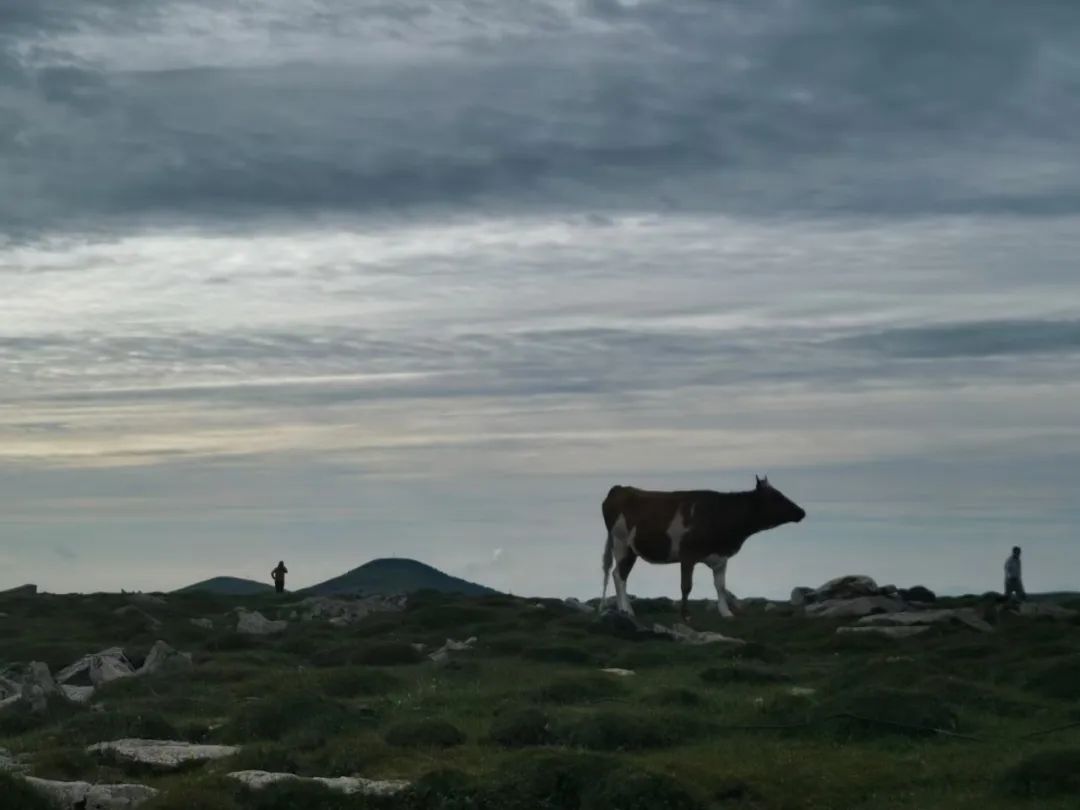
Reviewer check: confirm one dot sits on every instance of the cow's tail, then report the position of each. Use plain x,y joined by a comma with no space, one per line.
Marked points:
609,558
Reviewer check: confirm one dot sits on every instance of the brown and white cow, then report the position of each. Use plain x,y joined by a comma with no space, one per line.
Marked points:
687,527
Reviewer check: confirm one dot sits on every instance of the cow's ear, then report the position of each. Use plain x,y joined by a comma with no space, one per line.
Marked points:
757,479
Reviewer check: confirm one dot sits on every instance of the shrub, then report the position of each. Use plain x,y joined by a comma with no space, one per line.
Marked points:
445,789
877,712
430,733
637,790
354,681
752,651
616,731
297,713
265,757
579,689
521,728
548,779
1060,680
16,794
91,727
558,654
293,794
1055,772
676,696
381,653
739,672
63,763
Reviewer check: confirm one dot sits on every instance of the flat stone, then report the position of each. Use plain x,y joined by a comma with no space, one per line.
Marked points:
255,624
688,635
964,616
619,673
77,694
259,780
205,624
84,796
882,630
854,608
166,754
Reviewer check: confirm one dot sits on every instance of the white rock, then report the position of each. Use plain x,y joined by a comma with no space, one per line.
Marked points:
684,633
163,658
167,754
882,630
77,694
442,655
621,673
84,796
854,608
98,668
258,780
801,691
255,624
965,616
205,624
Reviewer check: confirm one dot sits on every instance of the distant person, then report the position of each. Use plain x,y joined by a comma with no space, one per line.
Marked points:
1013,583
278,575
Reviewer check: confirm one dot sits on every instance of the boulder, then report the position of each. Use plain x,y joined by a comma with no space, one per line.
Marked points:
918,594
22,590
163,658
163,754
800,595
77,694
259,780
882,630
97,669
854,608
255,624
38,686
847,587
961,616
84,796
205,624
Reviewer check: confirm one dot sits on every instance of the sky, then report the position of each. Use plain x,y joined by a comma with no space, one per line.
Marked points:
330,281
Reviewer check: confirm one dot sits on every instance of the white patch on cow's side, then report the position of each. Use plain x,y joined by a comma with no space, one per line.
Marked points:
718,564
676,532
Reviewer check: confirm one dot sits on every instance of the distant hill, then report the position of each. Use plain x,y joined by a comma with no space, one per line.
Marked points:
228,586
396,575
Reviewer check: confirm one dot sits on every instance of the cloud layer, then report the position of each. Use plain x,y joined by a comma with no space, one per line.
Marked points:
340,280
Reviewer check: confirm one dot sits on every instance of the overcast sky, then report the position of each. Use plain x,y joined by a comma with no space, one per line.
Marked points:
328,281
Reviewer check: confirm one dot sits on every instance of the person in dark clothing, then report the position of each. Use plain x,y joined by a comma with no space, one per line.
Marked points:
278,575
1013,583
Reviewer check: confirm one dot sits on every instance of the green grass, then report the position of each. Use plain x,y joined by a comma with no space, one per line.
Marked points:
796,719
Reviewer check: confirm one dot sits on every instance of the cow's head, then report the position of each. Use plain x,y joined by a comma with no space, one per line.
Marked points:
774,507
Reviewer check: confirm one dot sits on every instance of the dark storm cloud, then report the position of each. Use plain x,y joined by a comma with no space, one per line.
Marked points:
979,339
905,107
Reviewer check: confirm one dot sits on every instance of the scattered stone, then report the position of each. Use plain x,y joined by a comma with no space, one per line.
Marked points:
800,595
84,796
22,590
77,694
801,691
578,605
881,630
38,686
205,624
97,669
258,780
616,671
131,610
442,655
255,624
688,635
1044,609
163,658
341,612
965,616
165,754
147,600
854,607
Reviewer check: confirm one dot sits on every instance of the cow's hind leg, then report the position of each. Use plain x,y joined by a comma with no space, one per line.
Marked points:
607,563
719,569
687,583
623,564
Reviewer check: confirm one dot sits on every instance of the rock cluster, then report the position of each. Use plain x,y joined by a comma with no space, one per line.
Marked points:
258,780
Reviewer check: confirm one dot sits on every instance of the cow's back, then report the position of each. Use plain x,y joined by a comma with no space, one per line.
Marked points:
658,521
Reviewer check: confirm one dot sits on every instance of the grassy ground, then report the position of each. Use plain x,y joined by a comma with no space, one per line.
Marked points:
529,720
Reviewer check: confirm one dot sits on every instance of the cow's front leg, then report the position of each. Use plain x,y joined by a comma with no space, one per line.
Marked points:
719,569
687,583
